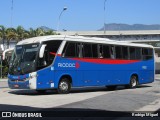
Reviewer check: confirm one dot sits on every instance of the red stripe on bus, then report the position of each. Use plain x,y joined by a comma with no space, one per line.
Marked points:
52,53
105,61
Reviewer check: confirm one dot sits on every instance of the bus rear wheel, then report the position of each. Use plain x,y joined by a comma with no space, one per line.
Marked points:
64,86
133,82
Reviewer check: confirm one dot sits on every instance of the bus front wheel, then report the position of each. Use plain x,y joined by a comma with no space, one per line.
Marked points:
64,86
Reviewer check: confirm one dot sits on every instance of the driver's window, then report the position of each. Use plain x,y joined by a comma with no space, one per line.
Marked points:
49,53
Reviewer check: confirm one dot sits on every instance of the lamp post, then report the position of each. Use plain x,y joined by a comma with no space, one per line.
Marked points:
64,9
11,13
105,16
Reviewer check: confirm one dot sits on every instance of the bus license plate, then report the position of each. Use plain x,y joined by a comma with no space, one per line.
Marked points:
16,86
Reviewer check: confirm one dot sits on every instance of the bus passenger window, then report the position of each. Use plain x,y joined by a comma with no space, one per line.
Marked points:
138,53
125,52
147,53
87,50
118,50
70,50
132,52
94,50
106,51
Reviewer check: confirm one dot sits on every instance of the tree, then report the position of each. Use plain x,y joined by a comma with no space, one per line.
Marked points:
2,33
40,32
32,32
26,34
50,32
11,34
20,33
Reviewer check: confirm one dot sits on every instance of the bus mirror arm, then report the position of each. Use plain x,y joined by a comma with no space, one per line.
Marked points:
41,52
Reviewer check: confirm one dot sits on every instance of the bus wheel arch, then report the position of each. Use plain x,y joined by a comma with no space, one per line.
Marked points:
64,84
134,81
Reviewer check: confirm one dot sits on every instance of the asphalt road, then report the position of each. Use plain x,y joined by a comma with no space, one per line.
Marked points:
86,102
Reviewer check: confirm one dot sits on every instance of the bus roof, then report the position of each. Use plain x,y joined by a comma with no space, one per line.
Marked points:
79,39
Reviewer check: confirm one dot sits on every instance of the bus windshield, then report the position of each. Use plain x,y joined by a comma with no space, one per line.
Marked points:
23,59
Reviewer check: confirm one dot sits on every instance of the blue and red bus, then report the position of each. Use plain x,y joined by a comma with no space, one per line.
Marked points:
63,62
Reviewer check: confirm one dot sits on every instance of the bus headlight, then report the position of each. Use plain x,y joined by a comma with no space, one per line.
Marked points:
30,77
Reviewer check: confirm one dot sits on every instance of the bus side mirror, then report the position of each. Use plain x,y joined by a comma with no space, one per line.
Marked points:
41,52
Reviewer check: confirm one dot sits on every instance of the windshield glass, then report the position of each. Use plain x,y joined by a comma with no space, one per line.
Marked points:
23,59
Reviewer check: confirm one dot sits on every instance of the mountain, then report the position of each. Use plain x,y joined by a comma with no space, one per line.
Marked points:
120,26
116,26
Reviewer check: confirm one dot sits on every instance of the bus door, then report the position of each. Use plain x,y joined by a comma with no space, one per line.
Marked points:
45,65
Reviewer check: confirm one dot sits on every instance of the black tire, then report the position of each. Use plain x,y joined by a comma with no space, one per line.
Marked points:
64,86
133,82
111,87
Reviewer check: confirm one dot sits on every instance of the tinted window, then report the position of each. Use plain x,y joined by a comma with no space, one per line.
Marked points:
125,52
132,52
147,53
87,50
70,50
49,53
118,50
106,51
94,50
138,53
150,52
51,50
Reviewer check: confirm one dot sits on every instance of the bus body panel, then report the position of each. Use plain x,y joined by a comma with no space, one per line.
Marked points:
63,67
93,74
86,74
45,79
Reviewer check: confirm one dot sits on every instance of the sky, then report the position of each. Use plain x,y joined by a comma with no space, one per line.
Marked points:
81,15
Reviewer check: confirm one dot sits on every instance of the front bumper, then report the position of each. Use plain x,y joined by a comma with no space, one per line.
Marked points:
15,84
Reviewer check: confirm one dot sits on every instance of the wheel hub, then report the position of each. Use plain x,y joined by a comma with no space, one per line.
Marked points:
134,82
63,86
